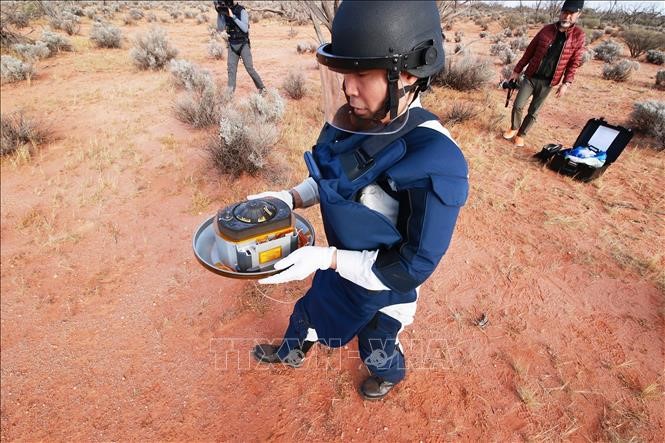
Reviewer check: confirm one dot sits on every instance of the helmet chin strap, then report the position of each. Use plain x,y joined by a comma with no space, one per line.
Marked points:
395,93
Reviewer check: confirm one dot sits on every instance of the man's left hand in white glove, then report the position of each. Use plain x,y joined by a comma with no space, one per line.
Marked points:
303,262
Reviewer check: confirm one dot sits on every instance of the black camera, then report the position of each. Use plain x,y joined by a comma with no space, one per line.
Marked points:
510,84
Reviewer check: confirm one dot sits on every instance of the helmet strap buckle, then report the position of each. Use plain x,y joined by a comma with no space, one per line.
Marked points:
393,93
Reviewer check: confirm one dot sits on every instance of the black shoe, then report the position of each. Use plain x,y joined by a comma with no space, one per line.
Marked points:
375,388
266,353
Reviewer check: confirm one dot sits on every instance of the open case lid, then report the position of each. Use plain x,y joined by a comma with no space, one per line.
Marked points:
601,135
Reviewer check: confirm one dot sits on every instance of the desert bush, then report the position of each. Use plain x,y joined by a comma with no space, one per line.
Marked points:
608,51
497,38
458,48
649,117
91,12
483,34
67,22
540,18
465,73
521,32
590,22
641,40
498,47
13,69
511,21
305,47
202,18
507,71
190,14
242,144
656,57
200,108
620,71
458,36
660,79
14,15
56,42
507,56
294,85
76,10
128,20
17,130
189,76
216,49
609,31
135,14
595,35
507,32
587,55
175,14
151,17
152,50
32,52
268,106
519,44
105,35
459,113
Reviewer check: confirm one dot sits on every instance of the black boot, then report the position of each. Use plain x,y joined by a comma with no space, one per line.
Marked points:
375,388
266,353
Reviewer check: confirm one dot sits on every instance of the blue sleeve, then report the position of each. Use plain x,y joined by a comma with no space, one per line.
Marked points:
427,228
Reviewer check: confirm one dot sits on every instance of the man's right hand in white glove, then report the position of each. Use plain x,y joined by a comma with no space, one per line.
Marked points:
285,196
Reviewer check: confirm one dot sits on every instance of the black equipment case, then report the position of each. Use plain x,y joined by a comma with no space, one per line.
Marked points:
597,133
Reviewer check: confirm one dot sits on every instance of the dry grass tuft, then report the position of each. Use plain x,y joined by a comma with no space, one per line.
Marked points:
294,85
18,130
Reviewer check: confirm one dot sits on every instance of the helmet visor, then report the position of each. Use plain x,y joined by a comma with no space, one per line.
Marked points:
346,114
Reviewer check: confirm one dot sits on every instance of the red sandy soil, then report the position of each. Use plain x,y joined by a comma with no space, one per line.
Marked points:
112,331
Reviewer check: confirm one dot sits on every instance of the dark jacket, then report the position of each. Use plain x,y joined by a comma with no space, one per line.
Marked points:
569,61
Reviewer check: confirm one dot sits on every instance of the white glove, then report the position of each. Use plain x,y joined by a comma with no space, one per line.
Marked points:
285,196
303,262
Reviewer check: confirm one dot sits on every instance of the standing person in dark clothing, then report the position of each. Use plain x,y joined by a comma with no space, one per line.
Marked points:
234,19
553,55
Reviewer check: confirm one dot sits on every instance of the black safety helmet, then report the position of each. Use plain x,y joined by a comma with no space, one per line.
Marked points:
392,35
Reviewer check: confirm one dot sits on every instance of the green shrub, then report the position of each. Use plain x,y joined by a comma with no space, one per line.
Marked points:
641,40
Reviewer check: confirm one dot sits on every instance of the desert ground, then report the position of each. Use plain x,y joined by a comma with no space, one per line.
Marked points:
112,331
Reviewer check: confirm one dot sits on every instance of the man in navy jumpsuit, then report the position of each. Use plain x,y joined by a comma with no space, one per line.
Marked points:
390,183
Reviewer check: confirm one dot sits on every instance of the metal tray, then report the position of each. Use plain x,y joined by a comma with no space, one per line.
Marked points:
204,242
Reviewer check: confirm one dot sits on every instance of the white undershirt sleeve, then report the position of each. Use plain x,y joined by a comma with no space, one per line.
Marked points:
356,266
308,191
